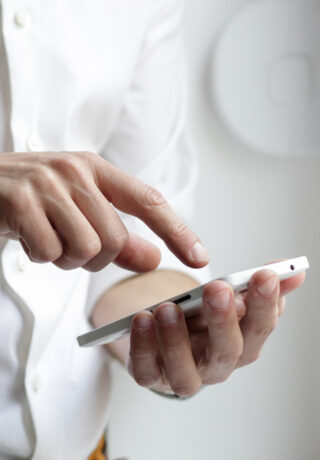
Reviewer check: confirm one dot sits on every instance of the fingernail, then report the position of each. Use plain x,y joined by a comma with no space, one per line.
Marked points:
198,253
167,314
268,287
142,322
221,300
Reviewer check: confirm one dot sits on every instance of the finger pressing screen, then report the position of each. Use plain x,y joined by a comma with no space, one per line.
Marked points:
131,196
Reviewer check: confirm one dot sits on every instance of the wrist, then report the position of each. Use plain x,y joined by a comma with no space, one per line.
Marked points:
134,294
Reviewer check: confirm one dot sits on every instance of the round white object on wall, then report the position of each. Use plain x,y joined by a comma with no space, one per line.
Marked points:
265,76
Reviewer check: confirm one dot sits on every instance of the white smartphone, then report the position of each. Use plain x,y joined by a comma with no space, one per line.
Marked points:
191,301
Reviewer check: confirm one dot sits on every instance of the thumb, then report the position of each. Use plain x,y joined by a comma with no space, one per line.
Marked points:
138,255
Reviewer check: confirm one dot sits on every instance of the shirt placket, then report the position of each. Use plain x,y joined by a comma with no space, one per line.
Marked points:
17,27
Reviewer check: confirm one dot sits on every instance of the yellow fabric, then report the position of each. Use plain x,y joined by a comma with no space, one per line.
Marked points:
98,453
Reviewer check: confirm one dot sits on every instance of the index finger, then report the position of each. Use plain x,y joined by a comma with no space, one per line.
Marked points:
130,195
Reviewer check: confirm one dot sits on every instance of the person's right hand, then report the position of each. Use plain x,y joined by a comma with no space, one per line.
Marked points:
59,205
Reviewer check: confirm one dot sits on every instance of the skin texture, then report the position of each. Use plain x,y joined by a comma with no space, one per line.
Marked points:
60,205
168,353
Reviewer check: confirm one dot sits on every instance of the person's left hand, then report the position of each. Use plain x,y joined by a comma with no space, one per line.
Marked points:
170,353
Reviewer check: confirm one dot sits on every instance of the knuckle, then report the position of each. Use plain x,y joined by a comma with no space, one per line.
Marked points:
68,163
172,353
251,358
265,330
136,352
87,156
118,242
168,332
221,325
145,380
237,350
43,176
260,329
238,353
21,200
255,356
228,358
137,336
215,379
281,306
48,254
90,249
178,230
151,197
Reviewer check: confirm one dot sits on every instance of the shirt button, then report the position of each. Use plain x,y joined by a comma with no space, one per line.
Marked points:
21,19
22,261
33,143
36,382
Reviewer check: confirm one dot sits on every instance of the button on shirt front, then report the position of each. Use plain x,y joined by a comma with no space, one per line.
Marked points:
22,261
21,19
106,77
33,144
36,383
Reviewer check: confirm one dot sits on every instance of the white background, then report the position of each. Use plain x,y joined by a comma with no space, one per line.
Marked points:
251,209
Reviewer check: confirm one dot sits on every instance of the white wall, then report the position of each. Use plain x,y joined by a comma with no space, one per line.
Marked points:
252,209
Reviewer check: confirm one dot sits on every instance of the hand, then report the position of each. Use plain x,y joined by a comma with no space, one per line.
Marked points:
59,205
169,353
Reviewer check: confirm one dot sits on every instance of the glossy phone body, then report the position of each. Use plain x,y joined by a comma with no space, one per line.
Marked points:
191,301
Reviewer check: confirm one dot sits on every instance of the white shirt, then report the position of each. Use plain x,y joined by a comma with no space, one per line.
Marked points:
107,77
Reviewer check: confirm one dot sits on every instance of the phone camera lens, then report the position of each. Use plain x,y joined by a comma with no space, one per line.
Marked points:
292,267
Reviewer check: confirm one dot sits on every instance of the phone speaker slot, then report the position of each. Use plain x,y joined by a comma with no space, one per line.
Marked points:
182,299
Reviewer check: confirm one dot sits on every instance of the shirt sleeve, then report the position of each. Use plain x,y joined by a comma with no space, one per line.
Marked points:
150,140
